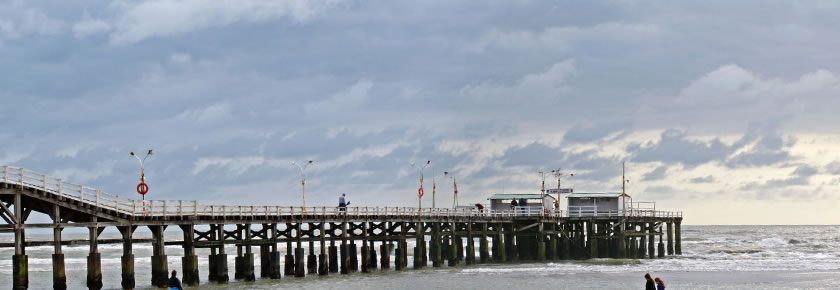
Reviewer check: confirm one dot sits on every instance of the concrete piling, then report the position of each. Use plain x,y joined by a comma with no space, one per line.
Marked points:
333,260
661,248
385,252
670,245
160,267
373,257
345,258
189,261
353,256
300,271
651,239
677,245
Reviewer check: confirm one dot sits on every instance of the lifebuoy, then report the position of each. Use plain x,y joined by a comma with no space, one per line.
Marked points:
142,188
420,192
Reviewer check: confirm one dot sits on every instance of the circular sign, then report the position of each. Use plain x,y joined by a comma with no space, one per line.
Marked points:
420,192
142,188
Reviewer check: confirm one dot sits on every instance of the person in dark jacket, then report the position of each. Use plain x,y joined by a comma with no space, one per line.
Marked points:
513,204
174,283
650,284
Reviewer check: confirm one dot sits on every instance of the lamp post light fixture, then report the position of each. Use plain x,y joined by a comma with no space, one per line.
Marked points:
542,196
303,181
420,190
559,174
142,188
454,187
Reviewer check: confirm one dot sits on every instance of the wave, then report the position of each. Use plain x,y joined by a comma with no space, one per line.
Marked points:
735,252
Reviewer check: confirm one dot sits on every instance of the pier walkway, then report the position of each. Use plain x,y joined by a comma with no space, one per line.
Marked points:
441,236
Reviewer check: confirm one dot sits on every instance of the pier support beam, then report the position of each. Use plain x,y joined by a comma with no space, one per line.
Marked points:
345,251
483,246
289,261
651,239
621,242
353,256
333,260
385,253
435,245
300,271
323,265
311,259
470,255
59,276
678,246
94,260
20,262
373,259
221,264
661,248
419,245
160,268
670,238
127,259
365,262
189,262
591,232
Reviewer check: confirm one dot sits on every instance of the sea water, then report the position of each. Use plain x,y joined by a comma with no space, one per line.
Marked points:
713,257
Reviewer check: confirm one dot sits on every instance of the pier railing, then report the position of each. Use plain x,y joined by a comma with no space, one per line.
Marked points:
166,208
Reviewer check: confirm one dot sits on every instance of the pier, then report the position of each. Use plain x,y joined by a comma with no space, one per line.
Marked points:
362,239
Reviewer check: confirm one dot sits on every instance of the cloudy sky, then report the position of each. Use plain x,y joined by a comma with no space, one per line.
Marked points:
725,111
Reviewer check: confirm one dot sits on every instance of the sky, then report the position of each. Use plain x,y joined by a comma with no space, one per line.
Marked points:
722,110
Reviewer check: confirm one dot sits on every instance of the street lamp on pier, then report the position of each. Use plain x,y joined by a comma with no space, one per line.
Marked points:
142,188
454,187
303,181
559,174
420,190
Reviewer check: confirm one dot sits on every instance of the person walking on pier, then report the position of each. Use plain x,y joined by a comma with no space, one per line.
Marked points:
649,285
174,283
660,285
342,204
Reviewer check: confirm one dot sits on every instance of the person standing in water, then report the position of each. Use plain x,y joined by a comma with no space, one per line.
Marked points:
649,285
660,285
174,283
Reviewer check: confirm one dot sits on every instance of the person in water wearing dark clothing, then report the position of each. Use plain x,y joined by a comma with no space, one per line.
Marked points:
660,285
649,285
174,283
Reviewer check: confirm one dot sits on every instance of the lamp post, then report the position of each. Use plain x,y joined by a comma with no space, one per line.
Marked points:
420,190
434,188
142,188
454,187
542,196
559,174
303,182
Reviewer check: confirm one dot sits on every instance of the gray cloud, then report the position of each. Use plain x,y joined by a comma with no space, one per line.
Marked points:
705,179
656,174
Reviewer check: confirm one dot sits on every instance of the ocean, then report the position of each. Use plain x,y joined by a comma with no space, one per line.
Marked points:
714,257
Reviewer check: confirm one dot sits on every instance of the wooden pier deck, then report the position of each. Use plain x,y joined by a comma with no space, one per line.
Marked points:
348,241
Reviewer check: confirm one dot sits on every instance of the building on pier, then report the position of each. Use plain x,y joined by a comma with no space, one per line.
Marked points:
501,201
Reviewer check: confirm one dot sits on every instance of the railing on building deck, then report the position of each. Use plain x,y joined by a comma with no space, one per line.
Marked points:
165,208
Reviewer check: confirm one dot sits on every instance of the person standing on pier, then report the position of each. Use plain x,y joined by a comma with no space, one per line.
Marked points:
174,283
342,204
649,285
